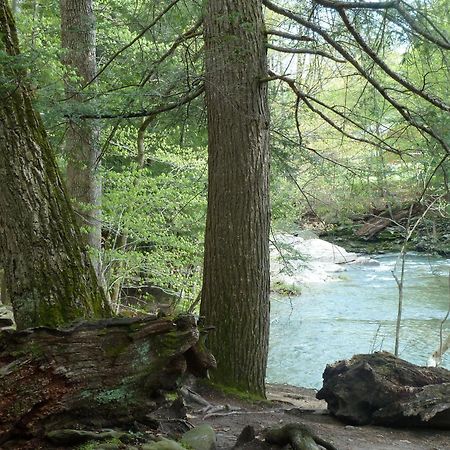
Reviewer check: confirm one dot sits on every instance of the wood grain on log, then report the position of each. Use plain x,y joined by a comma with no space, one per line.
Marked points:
98,374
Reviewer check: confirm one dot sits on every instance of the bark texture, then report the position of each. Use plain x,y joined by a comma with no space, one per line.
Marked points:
101,374
382,389
235,297
49,277
81,140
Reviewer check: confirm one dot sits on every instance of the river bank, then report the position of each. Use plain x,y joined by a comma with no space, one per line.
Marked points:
431,235
290,404
335,303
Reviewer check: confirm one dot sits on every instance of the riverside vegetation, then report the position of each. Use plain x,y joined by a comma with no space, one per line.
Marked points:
152,156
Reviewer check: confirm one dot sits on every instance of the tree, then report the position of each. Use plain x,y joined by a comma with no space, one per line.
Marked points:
235,297
81,138
49,275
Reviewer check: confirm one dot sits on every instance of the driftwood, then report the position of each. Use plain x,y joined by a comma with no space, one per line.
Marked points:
382,389
93,375
385,219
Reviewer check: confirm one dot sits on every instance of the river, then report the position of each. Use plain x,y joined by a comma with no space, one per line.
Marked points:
357,314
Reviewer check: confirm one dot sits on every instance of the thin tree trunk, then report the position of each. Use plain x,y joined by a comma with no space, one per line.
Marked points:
81,140
140,156
15,6
121,244
49,276
235,296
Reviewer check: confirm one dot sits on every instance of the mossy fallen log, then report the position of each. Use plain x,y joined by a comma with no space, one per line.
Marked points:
384,390
94,375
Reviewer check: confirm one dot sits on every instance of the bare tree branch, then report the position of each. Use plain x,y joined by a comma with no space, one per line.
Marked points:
189,34
305,98
125,47
306,51
357,5
188,97
294,37
395,76
402,110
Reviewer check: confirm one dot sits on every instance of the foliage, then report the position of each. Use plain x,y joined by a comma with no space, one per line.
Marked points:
161,210
324,172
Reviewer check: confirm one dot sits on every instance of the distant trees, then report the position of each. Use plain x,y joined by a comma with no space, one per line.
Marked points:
49,276
81,139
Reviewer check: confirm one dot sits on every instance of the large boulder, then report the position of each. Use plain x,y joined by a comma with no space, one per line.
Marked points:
296,259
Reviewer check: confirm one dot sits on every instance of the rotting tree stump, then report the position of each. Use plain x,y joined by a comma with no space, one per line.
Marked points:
381,389
99,374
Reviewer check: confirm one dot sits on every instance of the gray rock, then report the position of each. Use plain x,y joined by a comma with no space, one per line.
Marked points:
164,444
202,437
109,446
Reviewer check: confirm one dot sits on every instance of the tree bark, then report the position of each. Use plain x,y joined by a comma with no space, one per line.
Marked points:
3,291
49,276
235,296
101,374
78,39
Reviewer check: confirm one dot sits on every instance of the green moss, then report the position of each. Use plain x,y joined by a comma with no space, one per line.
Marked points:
142,357
168,344
286,288
112,395
114,350
94,445
32,349
171,396
236,392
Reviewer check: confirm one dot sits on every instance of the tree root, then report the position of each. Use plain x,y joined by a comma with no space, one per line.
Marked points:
298,435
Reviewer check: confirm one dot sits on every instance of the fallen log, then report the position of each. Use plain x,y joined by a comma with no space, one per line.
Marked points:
381,389
94,375
387,218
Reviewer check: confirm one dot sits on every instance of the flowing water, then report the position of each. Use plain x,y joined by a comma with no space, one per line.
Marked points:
357,314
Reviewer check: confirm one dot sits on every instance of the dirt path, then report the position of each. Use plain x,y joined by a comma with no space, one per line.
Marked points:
291,404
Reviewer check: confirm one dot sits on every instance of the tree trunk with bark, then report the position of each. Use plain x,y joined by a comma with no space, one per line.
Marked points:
49,276
235,296
94,375
81,139
384,390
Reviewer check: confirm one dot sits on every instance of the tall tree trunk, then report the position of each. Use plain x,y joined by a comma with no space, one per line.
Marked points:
81,140
49,276
3,291
235,297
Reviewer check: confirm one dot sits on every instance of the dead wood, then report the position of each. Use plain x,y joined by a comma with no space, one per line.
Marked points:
93,375
382,389
387,218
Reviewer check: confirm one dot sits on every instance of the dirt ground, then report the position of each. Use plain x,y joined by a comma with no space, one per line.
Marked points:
292,404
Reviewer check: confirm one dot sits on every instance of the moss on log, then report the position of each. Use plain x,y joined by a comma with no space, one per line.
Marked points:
99,374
